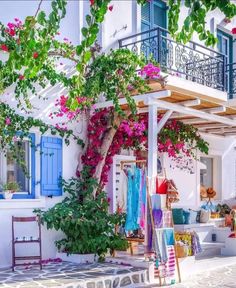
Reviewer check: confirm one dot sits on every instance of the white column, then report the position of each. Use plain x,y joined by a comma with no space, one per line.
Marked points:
152,141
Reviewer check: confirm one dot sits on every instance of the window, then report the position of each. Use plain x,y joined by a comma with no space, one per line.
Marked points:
11,171
153,14
14,172
206,175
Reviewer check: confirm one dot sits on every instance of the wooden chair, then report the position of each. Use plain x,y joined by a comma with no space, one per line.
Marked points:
21,241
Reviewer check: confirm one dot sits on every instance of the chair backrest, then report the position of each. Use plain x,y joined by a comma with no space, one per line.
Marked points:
25,219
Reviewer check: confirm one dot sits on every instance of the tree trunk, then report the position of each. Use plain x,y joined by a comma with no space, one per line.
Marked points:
107,141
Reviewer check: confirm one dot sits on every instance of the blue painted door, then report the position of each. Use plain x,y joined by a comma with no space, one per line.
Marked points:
51,166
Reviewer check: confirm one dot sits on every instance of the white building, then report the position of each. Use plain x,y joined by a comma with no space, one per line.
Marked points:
126,20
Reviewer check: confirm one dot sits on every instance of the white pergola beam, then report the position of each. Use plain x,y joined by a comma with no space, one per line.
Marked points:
210,126
222,130
193,112
137,98
190,103
152,141
215,110
163,120
196,121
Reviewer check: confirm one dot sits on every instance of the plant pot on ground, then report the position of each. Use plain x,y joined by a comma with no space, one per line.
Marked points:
88,226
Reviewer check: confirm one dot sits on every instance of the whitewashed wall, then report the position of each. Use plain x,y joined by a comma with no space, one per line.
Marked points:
70,29
224,174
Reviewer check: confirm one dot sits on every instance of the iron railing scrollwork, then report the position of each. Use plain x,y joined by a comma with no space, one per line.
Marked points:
193,61
231,79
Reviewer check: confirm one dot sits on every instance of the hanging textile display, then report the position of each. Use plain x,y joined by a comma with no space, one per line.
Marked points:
162,240
136,199
190,240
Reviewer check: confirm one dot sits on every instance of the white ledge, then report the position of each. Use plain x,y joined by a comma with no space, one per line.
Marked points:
22,203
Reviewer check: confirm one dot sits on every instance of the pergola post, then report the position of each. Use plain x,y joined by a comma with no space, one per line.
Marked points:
152,141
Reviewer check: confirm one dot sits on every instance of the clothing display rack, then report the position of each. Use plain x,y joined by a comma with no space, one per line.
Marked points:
122,163
153,229
149,203
132,241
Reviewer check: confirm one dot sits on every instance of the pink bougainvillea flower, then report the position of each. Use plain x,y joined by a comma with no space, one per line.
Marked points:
92,2
8,121
150,71
11,25
65,39
21,77
4,48
234,30
35,55
110,7
11,32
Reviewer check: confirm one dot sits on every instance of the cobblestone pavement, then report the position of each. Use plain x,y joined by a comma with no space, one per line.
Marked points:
71,275
224,277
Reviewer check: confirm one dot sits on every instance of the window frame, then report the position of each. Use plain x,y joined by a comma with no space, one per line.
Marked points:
32,170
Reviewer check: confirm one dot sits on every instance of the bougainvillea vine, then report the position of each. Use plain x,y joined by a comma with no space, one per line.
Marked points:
174,139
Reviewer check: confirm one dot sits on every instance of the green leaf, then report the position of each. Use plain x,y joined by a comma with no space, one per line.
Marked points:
84,31
87,56
41,17
79,50
88,19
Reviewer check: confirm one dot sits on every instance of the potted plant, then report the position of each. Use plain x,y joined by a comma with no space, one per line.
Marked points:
9,189
88,226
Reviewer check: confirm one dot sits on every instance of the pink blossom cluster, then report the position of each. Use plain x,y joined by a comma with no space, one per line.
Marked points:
129,134
133,129
65,111
8,121
150,71
12,27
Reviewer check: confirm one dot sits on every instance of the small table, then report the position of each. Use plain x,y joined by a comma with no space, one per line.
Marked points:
132,241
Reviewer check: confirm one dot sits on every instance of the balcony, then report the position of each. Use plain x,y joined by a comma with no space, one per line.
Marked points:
192,62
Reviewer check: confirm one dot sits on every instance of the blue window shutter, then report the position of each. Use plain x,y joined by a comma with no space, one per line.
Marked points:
51,166
153,14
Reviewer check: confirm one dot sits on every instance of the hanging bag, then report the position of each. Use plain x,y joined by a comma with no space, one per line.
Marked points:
161,185
172,194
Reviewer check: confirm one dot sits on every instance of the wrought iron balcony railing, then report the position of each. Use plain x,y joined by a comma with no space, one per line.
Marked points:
193,61
231,79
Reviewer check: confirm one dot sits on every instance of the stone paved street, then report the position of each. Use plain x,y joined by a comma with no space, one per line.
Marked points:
70,275
224,277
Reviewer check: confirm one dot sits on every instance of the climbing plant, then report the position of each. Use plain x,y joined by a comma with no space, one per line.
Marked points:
108,133
196,19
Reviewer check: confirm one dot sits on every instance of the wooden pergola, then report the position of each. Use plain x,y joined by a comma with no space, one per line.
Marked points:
200,106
